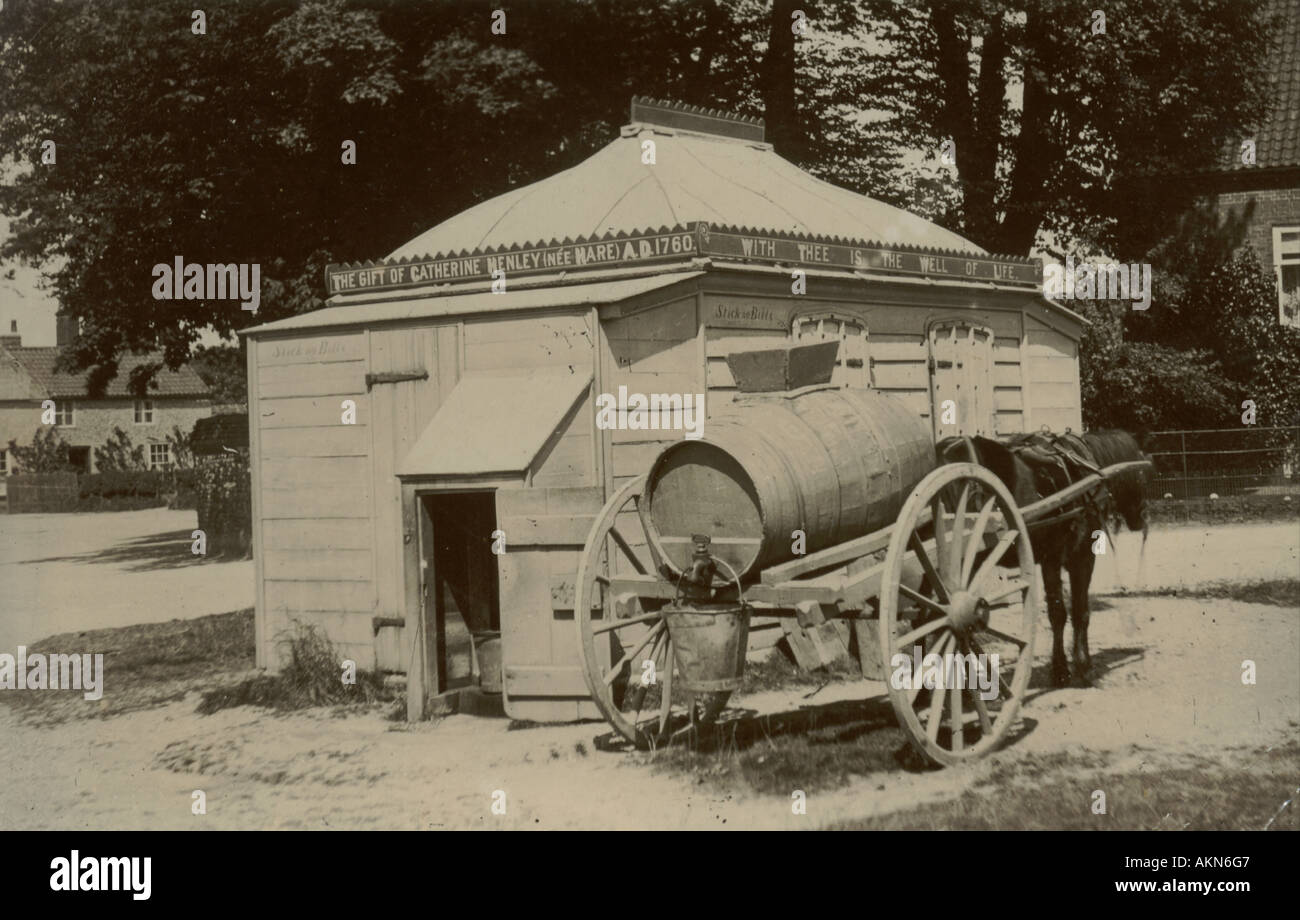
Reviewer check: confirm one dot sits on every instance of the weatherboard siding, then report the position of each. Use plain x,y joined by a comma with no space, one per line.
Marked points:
314,498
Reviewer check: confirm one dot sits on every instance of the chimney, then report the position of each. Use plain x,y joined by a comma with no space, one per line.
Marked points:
13,339
67,329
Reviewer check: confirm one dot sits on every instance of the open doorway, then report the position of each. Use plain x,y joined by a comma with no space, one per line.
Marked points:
79,458
465,586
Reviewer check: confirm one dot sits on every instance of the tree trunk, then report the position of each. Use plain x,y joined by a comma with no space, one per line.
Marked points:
777,81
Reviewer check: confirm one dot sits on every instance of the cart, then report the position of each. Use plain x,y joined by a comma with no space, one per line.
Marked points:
951,585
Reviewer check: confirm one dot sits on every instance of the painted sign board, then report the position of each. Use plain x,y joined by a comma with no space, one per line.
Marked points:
676,244
721,311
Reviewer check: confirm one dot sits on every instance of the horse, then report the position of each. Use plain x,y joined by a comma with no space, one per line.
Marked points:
1035,465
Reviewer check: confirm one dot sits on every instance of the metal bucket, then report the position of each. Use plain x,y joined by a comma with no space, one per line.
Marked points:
709,645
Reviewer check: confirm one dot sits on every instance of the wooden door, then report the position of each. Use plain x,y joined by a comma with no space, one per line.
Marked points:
961,371
545,530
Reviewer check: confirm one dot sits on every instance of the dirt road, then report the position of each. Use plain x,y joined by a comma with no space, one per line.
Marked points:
68,572
1169,691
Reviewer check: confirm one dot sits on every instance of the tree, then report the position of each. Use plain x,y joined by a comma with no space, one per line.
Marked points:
1057,127
119,455
224,369
181,448
48,453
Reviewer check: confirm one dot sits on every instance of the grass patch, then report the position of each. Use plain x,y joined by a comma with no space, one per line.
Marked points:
312,675
1033,795
145,666
1280,592
815,748
153,664
777,672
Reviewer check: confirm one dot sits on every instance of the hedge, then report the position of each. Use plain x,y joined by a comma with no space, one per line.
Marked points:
225,505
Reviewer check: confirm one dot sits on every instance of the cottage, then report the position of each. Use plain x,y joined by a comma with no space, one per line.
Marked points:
459,499
176,399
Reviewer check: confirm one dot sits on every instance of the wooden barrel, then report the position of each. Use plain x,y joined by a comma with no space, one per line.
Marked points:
833,463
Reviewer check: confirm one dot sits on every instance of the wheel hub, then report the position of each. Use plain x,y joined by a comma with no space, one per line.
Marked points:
967,611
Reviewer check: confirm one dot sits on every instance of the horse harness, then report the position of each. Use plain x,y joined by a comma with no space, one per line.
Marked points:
1056,463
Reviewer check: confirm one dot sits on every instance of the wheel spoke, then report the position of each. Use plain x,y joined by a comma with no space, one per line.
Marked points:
955,719
617,669
976,540
936,696
957,535
640,700
621,624
922,631
994,557
941,534
1006,637
1006,691
914,542
1008,589
666,705
627,550
922,599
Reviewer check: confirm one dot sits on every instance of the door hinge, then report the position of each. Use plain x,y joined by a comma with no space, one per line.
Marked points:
398,377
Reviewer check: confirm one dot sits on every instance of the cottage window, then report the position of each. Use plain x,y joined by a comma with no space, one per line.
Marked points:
1286,262
851,366
144,411
4,463
65,413
160,456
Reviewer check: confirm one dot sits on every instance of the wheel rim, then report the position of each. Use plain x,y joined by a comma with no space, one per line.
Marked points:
613,650
978,596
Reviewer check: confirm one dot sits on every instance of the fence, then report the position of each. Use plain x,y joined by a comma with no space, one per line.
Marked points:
34,493
1225,461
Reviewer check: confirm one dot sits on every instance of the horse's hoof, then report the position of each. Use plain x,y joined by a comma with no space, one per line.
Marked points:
1060,676
1080,678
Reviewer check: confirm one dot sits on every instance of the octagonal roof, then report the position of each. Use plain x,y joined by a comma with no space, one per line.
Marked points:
696,176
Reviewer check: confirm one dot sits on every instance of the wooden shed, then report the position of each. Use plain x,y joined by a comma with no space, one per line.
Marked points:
443,404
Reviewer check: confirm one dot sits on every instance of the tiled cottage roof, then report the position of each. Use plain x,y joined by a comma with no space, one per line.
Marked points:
1277,142
39,365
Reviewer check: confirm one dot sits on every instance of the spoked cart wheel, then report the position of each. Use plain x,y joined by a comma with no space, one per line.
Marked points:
959,580
615,648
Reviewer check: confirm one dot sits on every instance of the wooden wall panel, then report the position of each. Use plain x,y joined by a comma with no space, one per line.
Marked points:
541,341
342,378
317,534
312,492
400,413
303,596
312,348
340,441
312,411
307,500
1052,372
569,457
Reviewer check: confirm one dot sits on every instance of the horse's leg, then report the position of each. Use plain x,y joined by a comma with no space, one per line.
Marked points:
1081,565
1056,614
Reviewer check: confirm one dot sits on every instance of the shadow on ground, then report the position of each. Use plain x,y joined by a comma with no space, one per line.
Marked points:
155,552
810,747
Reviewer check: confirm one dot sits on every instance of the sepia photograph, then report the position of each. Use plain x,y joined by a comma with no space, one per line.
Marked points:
654,415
